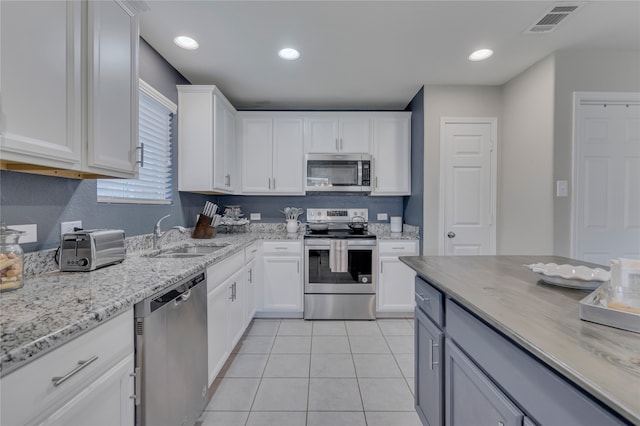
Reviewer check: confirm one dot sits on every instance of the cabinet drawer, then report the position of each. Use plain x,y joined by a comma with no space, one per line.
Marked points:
429,300
30,390
250,252
219,272
390,248
282,247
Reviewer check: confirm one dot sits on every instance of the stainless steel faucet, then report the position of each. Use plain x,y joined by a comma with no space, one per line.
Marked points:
159,236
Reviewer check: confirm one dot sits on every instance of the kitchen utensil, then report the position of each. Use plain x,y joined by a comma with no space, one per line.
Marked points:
318,226
357,224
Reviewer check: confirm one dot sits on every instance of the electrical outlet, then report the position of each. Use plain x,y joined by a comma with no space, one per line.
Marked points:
68,227
255,216
383,216
30,235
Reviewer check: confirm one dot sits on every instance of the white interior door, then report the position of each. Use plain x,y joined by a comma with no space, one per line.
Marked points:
607,181
467,186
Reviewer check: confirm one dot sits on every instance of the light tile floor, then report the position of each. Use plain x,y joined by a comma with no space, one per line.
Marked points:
317,373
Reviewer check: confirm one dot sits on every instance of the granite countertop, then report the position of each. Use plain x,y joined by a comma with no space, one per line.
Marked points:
54,307
544,320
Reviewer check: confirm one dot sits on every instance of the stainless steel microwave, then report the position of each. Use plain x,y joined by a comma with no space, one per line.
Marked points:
338,172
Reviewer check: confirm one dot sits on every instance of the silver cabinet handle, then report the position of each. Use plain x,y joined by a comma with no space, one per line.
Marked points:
274,183
421,297
141,149
227,180
376,182
337,146
397,248
298,266
137,383
280,248
269,183
431,360
58,380
341,144
251,276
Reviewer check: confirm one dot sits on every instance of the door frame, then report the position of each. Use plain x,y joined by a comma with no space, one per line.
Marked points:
493,121
590,98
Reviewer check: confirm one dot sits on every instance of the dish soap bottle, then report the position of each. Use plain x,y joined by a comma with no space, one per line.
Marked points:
11,259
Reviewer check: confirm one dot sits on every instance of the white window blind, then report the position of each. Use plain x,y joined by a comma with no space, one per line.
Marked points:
154,183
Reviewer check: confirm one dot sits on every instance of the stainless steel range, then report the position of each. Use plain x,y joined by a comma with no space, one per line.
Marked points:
340,257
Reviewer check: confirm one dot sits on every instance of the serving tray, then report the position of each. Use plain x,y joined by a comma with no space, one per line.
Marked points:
578,277
594,308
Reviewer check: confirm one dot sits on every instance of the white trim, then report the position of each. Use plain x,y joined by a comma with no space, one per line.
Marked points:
148,90
493,121
579,99
115,200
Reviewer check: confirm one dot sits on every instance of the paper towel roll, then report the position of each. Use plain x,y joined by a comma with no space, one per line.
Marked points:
396,224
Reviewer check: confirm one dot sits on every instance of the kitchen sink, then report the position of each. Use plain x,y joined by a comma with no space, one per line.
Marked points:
188,251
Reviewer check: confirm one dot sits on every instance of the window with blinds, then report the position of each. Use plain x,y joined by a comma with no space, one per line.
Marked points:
154,183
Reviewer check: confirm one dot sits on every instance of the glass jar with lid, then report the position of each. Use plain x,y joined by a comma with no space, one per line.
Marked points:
11,259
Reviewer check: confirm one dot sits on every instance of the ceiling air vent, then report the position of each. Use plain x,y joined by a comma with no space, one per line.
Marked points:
550,20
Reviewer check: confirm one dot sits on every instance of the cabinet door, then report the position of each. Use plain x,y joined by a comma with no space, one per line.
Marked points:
429,371
41,83
471,397
113,89
216,330
220,178
230,149
288,156
322,133
391,155
251,280
235,308
282,284
106,401
354,133
395,285
256,155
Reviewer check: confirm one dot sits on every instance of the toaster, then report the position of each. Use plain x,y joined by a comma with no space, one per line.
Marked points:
88,250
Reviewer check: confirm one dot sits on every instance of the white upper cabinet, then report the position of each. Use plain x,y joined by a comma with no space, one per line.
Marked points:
206,140
347,133
112,88
392,154
44,64
272,153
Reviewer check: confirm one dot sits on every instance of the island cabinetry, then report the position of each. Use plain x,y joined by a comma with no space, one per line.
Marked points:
345,133
482,377
272,153
391,150
282,284
206,131
69,78
395,279
87,381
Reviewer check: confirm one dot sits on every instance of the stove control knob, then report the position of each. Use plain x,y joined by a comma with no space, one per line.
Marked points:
365,280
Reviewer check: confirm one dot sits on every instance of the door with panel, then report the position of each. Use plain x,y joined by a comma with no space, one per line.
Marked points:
429,378
607,199
235,308
468,186
288,155
216,327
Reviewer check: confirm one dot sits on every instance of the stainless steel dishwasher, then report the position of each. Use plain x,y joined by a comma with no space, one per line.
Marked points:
171,354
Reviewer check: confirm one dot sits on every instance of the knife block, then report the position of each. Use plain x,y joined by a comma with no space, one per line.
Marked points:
203,229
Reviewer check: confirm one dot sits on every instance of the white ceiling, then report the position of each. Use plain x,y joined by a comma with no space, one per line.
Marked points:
369,54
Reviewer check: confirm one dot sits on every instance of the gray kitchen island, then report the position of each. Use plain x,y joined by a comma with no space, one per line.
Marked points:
493,343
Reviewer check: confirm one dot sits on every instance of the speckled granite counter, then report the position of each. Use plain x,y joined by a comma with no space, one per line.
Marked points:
55,307
543,320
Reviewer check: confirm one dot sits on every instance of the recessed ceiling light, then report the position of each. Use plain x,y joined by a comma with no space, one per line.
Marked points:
186,42
480,55
289,54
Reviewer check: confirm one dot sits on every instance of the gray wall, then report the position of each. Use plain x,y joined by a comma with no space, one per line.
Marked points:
414,205
448,101
582,71
525,185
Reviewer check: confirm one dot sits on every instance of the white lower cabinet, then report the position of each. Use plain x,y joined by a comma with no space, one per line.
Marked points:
252,274
395,279
87,381
216,328
282,284
235,308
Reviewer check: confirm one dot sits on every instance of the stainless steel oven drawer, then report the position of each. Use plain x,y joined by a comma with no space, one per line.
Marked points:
340,306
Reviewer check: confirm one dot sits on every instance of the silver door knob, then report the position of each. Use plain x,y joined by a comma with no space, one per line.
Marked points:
451,234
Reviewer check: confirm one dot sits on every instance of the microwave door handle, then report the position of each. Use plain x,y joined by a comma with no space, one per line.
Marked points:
359,173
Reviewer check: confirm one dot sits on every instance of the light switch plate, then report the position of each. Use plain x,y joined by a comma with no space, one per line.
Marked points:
383,216
255,216
30,235
562,188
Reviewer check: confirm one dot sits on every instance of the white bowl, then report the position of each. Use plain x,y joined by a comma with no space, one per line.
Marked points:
579,277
